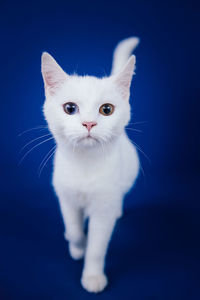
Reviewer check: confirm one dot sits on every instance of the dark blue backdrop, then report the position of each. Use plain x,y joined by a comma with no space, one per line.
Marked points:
155,250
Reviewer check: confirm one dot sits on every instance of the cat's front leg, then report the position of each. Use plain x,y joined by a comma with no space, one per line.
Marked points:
100,231
74,228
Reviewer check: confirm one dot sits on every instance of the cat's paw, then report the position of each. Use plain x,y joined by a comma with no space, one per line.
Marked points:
94,283
76,252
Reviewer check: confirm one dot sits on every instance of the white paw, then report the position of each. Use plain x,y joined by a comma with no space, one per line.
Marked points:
94,283
76,252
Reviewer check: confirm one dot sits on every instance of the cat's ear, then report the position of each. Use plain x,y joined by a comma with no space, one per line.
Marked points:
124,77
53,74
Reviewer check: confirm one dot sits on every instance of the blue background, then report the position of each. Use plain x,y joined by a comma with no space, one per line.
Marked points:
155,249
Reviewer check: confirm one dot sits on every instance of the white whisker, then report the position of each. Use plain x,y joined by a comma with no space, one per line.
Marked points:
102,147
136,123
133,129
74,145
41,164
142,170
40,137
47,161
34,148
138,147
34,128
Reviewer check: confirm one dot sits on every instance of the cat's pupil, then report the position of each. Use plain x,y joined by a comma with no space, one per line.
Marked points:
106,109
70,108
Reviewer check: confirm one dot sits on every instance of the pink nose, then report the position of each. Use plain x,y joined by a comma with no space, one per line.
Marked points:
89,125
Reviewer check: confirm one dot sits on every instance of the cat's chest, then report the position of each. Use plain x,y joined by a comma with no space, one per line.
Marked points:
87,175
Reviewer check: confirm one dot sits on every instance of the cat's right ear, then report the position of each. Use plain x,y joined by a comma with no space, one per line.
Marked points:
53,75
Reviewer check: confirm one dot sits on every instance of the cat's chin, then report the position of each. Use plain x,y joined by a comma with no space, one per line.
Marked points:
88,142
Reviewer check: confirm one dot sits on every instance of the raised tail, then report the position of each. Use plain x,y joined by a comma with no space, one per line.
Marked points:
122,53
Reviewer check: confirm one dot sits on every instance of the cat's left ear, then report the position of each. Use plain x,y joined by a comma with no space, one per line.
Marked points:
124,77
53,74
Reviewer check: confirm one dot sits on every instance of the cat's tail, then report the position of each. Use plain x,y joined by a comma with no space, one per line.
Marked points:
122,53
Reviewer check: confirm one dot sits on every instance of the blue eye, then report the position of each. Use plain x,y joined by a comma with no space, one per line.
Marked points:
70,108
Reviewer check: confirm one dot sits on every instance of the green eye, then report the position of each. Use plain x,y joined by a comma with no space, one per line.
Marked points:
106,109
70,108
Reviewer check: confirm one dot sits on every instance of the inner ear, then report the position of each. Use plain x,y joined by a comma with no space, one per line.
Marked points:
124,77
53,74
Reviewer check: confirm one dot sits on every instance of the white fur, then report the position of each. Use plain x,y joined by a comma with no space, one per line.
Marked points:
91,175
122,53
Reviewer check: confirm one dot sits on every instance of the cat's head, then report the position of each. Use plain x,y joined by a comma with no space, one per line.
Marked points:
86,111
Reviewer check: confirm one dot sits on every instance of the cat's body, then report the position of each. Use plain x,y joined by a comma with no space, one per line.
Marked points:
95,163
110,171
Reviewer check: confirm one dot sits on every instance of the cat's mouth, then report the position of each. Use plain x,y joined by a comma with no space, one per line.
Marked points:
89,137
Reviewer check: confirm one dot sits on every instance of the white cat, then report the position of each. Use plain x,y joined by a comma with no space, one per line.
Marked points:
95,163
